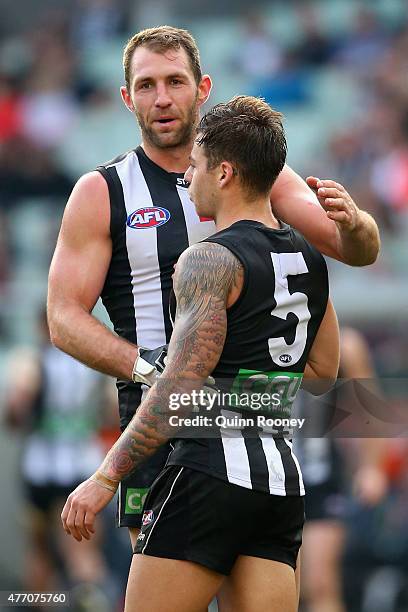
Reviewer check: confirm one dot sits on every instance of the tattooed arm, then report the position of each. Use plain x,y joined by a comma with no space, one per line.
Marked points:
207,275
204,276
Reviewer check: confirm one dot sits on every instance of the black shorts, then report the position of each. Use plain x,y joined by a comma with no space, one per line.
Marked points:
133,490
195,517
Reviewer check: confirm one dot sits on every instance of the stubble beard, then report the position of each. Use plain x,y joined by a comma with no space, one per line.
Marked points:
181,137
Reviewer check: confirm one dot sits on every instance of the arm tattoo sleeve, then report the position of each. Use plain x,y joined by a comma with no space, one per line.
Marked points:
204,276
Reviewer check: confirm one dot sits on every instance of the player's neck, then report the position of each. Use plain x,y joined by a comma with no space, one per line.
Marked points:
172,160
239,209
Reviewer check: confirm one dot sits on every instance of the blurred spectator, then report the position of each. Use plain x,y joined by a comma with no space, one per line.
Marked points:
4,262
10,108
393,165
150,14
53,86
49,106
348,156
27,171
326,472
363,155
258,55
376,560
391,70
271,71
96,22
289,86
57,402
316,47
365,44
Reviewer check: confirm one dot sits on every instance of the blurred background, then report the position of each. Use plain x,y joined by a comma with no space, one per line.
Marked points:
338,70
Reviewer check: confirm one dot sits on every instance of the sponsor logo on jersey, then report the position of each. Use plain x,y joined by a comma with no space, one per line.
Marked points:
141,536
182,182
281,387
285,358
145,218
134,500
148,517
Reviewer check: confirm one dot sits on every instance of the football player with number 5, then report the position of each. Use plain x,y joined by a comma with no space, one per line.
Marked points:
251,299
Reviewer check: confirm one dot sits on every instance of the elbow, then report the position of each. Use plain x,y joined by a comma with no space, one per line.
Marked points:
55,336
320,379
372,255
368,251
365,258
54,329
59,317
319,386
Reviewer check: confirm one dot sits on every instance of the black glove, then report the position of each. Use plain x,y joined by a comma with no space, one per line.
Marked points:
149,365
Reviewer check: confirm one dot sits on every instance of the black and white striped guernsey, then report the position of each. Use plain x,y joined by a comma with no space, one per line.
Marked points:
152,222
270,330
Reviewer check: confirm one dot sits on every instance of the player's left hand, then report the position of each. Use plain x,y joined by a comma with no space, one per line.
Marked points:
81,507
336,201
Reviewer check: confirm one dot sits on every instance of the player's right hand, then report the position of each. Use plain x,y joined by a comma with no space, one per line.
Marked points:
149,365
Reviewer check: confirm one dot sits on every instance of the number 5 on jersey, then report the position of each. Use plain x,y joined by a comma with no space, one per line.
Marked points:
284,265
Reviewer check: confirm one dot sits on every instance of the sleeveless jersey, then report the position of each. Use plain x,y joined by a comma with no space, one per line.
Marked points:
152,222
270,329
62,447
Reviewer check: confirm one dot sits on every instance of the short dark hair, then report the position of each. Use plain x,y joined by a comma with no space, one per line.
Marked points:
162,39
249,134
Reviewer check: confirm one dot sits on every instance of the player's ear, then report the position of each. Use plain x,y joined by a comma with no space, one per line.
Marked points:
226,174
127,100
204,89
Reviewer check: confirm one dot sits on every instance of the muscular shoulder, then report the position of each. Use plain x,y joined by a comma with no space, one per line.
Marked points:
207,267
88,206
92,187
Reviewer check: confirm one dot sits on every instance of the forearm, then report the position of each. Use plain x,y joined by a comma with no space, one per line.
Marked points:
78,333
150,426
360,246
337,228
147,431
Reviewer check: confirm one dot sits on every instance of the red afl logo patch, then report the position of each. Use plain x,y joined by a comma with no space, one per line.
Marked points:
144,218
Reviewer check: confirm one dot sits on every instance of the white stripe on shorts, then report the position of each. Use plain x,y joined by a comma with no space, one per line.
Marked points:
161,509
119,504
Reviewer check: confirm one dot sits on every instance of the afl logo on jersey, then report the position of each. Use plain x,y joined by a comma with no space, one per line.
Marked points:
148,517
285,358
144,218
